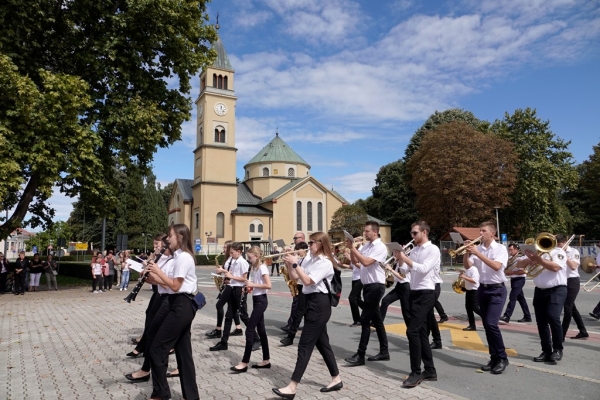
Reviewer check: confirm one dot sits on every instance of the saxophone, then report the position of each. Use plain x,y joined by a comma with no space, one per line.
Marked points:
219,279
292,284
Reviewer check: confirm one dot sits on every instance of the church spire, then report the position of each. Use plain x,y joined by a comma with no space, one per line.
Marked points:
222,61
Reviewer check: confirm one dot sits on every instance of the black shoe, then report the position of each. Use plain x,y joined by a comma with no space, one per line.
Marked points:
258,366
141,379
594,315
505,319
214,334
413,380
237,332
286,341
545,357
284,395
557,355
524,320
170,375
255,346
489,366
580,335
134,341
356,324
470,328
380,357
443,319
429,376
435,345
286,328
239,371
134,355
355,360
219,346
333,388
500,366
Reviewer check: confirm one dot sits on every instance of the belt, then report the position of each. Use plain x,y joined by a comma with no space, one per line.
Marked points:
423,291
551,288
492,285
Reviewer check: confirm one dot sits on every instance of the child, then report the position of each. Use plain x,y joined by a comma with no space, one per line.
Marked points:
96,275
124,276
471,277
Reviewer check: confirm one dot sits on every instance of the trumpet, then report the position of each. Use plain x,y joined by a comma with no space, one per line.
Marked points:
357,240
408,247
462,249
278,254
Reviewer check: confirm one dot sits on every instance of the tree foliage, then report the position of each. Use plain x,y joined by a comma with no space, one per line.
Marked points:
545,172
350,218
88,86
459,174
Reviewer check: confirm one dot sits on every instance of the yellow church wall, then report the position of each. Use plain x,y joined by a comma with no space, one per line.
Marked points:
218,165
263,187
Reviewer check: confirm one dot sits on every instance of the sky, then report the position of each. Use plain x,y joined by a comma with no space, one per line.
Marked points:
347,83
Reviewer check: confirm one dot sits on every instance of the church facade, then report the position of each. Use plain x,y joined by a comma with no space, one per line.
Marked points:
277,196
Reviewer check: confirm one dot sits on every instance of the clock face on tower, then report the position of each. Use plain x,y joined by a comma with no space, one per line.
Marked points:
220,109
200,110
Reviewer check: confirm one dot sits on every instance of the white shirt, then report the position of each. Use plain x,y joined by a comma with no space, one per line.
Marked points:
518,269
548,279
355,272
496,252
373,273
97,268
256,276
403,269
300,261
573,254
426,258
474,274
184,266
317,268
238,268
165,263
436,277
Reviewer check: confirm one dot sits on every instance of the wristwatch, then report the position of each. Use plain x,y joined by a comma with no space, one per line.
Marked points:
294,265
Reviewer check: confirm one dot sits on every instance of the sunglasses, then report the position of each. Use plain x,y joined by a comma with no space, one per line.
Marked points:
310,243
414,233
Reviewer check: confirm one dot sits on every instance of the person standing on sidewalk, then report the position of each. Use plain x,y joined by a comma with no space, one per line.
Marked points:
20,268
50,269
97,279
35,272
4,268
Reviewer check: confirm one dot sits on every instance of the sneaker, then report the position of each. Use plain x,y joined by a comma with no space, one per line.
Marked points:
120,289
95,291
125,289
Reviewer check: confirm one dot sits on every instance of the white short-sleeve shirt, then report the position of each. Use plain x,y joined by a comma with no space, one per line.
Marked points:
317,268
239,267
474,274
165,263
548,279
184,266
495,252
373,273
573,255
257,276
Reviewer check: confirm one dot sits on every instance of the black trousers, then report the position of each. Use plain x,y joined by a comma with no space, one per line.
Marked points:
257,321
19,282
175,333
372,292
421,306
570,310
400,292
275,266
98,281
517,295
300,312
432,323
233,307
3,276
293,310
108,281
318,312
548,304
472,306
355,300
161,305
221,302
491,303
151,310
438,306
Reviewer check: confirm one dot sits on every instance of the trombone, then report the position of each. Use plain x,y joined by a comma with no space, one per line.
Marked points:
588,264
462,249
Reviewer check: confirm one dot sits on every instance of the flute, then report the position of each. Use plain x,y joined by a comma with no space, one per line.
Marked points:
131,296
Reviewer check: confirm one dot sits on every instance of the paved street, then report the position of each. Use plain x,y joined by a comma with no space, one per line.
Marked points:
71,344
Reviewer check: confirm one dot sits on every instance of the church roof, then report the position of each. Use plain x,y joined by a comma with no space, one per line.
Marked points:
281,190
185,187
277,150
222,61
253,210
245,196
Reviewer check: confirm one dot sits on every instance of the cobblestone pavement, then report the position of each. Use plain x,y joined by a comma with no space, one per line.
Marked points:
71,344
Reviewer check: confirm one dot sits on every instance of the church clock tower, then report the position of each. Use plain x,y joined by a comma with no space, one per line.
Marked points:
215,189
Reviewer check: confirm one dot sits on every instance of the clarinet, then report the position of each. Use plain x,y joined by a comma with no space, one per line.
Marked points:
131,296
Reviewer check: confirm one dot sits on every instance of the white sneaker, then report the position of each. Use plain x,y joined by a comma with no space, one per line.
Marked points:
125,289
120,289
95,291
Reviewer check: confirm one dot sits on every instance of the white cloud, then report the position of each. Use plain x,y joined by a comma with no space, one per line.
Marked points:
353,184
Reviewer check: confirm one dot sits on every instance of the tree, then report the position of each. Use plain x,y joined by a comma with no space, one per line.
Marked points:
350,218
154,210
166,193
88,85
545,172
454,183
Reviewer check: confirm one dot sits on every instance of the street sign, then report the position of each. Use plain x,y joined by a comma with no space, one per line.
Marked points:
504,237
199,241
198,247
81,246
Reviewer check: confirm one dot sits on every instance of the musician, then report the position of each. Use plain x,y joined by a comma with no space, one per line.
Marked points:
237,274
298,238
175,331
355,298
517,282
300,309
421,262
573,286
549,300
372,277
259,283
400,292
223,298
432,323
490,259
316,269
596,311
471,278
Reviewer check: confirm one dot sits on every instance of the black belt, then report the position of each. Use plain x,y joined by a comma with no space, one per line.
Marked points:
492,285
551,288
423,291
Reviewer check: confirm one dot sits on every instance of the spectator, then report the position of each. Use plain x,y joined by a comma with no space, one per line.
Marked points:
118,263
96,275
275,265
124,276
108,269
35,271
51,272
20,269
4,267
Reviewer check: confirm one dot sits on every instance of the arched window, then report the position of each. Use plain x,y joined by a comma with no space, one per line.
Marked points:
298,216
220,225
214,80
309,216
225,82
260,228
265,171
291,172
219,134
320,216
251,228
220,80
197,220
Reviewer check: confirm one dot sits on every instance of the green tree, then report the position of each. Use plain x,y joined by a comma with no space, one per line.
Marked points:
545,172
155,212
350,218
166,194
455,185
119,67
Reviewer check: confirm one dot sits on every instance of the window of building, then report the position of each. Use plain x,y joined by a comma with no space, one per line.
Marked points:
320,216
260,228
220,82
298,216
265,171
252,228
225,82
220,225
214,80
309,225
219,134
291,172
197,220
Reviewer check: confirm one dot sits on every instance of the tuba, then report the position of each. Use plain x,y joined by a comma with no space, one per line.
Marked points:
459,286
544,243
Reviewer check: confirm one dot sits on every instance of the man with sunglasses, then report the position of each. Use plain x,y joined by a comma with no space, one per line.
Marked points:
372,277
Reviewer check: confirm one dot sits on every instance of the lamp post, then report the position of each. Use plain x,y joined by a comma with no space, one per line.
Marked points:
498,223
207,236
145,239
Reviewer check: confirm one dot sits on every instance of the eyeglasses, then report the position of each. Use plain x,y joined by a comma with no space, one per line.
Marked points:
296,238
414,233
310,243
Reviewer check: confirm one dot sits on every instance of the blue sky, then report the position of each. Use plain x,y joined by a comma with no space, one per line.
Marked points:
347,83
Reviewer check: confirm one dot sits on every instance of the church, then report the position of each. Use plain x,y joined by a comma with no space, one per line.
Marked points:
277,196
